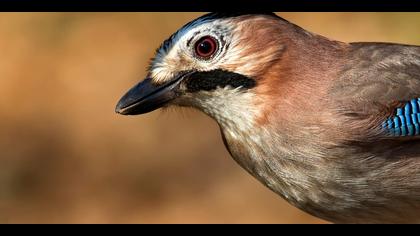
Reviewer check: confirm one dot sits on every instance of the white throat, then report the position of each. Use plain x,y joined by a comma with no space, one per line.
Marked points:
233,109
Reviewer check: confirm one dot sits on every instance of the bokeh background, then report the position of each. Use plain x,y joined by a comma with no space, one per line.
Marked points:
66,157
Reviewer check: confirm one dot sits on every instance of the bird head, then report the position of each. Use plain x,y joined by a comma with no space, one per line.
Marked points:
214,63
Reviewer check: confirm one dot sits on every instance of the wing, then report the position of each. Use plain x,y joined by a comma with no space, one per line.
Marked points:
405,120
378,90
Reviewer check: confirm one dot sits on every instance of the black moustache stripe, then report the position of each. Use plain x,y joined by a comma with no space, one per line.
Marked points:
210,80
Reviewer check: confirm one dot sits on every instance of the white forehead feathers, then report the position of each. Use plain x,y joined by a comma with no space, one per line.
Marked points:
176,53
239,47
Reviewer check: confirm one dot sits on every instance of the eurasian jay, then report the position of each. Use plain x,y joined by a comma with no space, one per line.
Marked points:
331,127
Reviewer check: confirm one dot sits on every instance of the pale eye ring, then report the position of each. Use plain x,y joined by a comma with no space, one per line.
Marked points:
205,47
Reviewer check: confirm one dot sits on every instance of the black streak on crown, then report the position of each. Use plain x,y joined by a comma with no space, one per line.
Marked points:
210,80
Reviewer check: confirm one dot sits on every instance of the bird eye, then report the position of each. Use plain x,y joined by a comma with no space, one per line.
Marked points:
205,47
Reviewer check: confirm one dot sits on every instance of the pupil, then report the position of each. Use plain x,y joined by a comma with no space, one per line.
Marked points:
205,47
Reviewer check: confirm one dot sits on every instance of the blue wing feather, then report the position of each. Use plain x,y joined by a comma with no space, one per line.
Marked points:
405,121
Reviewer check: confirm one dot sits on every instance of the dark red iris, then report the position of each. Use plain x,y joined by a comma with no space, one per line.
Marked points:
206,47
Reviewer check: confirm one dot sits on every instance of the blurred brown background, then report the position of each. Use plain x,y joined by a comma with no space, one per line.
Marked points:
66,157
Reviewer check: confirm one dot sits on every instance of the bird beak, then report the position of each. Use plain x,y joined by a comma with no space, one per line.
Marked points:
146,96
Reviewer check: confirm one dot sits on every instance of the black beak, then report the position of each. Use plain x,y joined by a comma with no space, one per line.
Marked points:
146,96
